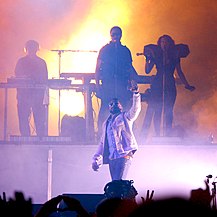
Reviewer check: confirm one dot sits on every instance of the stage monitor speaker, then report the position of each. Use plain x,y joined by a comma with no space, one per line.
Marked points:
73,126
35,208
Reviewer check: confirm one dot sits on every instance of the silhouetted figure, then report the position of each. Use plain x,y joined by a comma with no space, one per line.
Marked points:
51,206
170,207
115,207
202,197
33,70
166,57
113,72
118,143
16,206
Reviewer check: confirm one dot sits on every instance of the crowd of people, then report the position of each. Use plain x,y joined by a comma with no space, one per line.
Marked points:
118,202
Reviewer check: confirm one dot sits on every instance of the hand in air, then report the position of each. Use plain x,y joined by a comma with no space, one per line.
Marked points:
133,86
149,197
74,205
49,206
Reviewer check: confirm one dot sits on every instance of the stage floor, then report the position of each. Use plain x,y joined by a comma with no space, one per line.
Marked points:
167,166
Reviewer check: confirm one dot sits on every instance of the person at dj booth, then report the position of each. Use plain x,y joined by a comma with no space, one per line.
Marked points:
113,72
118,143
33,69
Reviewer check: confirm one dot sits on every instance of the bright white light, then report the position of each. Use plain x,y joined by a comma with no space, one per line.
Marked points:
72,103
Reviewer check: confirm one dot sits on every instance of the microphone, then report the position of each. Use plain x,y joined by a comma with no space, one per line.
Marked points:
139,54
209,176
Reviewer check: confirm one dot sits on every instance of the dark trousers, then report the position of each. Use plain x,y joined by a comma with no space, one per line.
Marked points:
119,168
25,107
157,103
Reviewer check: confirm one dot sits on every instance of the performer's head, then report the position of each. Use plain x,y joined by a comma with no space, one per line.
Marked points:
165,42
31,47
115,106
116,34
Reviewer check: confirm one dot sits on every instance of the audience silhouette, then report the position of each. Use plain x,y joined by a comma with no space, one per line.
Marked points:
119,202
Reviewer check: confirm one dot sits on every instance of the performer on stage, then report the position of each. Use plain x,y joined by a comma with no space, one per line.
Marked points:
118,143
114,70
33,69
166,57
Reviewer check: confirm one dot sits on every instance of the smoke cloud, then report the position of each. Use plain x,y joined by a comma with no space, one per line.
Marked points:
189,22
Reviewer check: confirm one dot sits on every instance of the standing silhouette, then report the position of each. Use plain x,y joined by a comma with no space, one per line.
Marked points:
30,100
114,70
166,57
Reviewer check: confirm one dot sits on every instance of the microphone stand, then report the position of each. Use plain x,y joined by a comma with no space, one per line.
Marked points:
163,93
60,55
116,69
59,96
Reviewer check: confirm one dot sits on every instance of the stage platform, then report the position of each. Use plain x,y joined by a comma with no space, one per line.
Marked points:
169,166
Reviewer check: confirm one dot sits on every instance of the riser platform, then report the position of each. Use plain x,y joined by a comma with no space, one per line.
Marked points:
42,171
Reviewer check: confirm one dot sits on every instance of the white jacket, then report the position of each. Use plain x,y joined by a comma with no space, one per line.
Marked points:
122,128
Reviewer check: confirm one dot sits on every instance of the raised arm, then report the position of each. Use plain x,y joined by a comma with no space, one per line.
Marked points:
135,109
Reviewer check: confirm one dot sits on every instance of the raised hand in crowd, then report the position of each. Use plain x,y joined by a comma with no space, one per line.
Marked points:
148,198
3,204
17,206
75,205
202,196
51,206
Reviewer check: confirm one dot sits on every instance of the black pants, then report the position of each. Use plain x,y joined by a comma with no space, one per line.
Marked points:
33,105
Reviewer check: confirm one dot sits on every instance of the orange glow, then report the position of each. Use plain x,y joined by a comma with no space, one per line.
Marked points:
81,51
85,25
